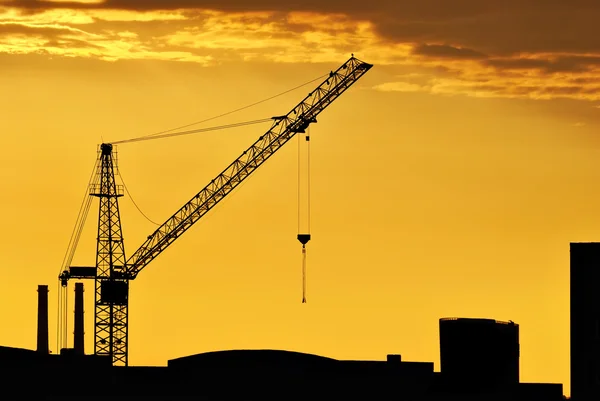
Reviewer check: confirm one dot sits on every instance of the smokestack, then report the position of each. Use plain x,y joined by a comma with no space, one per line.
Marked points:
78,333
42,323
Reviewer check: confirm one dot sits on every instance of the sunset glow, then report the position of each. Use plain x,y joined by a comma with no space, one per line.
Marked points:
448,182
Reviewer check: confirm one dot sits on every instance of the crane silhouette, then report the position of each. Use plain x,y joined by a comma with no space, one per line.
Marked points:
113,271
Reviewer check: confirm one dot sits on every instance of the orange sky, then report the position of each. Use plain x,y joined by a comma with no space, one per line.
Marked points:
448,181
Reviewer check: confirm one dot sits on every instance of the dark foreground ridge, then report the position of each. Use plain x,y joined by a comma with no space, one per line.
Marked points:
479,361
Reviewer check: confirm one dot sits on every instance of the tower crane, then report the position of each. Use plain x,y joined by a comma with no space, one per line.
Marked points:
113,270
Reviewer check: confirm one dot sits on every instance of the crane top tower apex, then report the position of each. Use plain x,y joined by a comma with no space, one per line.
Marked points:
106,148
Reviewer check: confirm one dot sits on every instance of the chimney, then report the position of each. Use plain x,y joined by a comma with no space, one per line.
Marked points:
42,323
78,333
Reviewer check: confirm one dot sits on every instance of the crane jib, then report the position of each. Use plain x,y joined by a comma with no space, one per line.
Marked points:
305,114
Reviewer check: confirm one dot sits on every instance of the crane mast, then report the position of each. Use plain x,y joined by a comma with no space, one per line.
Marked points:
113,272
111,285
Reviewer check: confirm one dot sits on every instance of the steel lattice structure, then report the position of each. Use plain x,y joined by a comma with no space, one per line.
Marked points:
113,271
111,283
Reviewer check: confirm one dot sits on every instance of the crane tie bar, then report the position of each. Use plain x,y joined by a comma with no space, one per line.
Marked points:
194,131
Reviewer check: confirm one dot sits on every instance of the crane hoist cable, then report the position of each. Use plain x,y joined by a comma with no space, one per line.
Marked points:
61,327
81,217
304,201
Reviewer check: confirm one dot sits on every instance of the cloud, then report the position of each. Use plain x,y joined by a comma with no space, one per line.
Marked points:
287,38
536,49
57,39
497,27
496,86
7,28
493,26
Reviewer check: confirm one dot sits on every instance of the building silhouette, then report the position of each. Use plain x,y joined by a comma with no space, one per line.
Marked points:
479,361
481,353
248,375
585,321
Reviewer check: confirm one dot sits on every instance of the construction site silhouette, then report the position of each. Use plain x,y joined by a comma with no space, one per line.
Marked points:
479,358
479,361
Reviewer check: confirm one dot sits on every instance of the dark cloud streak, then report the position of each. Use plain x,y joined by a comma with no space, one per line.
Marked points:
446,51
568,64
41,30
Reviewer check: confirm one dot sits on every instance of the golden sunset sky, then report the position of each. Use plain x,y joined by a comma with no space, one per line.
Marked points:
448,181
